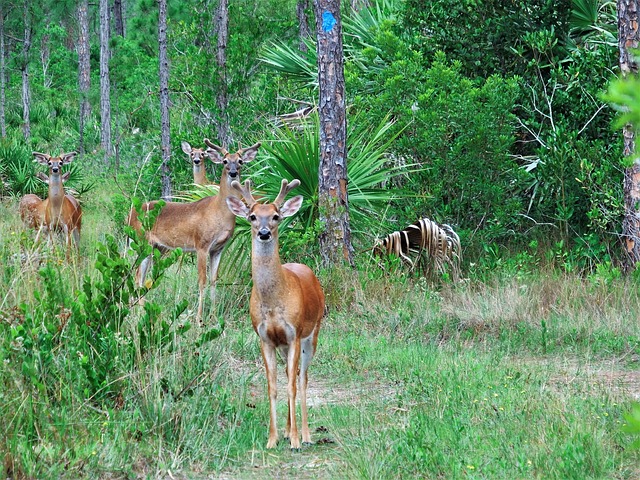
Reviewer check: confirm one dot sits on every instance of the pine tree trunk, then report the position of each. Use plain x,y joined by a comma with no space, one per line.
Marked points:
222,99
105,84
118,17
335,241
26,96
628,39
164,99
84,68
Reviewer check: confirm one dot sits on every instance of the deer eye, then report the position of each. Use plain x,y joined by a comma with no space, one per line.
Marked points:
276,217
252,217
225,161
240,162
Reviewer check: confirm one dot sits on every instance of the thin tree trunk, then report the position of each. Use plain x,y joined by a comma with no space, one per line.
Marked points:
84,68
118,16
222,99
3,98
335,240
357,5
26,96
303,23
105,84
628,39
45,58
164,99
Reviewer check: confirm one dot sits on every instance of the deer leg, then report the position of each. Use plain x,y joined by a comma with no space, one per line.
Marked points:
292,367
76,237
141,274
306,354
284,353
202,279
269,358
214,263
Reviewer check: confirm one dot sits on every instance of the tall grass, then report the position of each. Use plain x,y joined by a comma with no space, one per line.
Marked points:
527,376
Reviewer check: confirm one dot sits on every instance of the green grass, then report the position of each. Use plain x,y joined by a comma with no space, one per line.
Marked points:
525,377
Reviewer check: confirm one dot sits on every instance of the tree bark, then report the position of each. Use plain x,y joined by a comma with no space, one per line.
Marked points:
164,99
118,16
222,98
303,23
628,39
105,84
335,240
84,68
26,95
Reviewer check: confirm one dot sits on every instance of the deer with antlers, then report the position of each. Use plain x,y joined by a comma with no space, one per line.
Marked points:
287,304
203,227
197,157
59,211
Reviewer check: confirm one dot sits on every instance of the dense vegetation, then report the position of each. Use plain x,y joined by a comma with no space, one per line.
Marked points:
487,116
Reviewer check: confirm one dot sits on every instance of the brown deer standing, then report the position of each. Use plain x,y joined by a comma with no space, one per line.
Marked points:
203,227
197,157
58,212
287,304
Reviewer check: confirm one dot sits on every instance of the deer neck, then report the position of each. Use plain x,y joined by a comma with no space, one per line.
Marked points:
266,269
56,193
199,175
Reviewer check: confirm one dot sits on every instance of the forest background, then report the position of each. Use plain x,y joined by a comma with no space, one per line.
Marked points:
490,117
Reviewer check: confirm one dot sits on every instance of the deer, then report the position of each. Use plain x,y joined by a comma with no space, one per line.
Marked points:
203,227
59,211
286,307
197,157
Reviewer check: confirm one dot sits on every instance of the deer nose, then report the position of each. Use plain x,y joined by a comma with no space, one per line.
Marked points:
264,233
233,173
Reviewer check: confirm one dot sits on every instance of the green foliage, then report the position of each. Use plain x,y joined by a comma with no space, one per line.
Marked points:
486,37
633,424
624,96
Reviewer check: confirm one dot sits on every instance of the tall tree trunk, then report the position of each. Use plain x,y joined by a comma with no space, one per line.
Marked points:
118,16
222,99
26,96
303,23
3,73
105,84
45,56
84,67
357,5
335,241
164,99
628,39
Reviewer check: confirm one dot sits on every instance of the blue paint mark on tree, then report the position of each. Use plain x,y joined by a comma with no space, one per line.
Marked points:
328,21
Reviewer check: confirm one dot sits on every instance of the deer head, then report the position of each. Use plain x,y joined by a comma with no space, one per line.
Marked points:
232,161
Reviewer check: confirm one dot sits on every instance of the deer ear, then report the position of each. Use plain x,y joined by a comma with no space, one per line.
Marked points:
291,206
68,157
65,176
251,152
214,155
186,148
42,176
237,207
42,158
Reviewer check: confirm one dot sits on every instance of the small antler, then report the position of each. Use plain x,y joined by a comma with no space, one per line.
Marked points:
245,191
221,150
285,188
